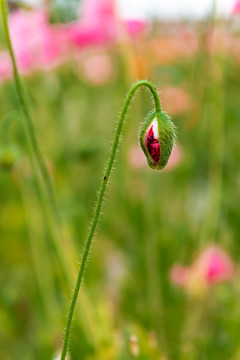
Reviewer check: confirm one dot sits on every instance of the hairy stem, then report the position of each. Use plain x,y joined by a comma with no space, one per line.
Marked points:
100,201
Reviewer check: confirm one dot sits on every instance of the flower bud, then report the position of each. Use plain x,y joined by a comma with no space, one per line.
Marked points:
8,156
157,139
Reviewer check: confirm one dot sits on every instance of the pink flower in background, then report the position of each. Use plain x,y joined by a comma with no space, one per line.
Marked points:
97,68
219,265
137,157
40,45
98,24
236,9
211,267
175,158
35,43
135,26
179,275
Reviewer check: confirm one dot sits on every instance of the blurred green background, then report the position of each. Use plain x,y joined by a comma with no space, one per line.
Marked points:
128,307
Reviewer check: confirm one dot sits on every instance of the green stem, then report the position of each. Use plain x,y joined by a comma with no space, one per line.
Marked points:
100,201
64,248
29,122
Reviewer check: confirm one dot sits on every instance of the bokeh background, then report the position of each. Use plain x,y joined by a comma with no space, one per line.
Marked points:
162,281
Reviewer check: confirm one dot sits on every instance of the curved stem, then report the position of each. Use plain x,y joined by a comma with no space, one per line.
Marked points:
29,122
100,201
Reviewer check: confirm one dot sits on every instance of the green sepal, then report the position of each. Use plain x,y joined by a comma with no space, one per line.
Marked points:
166,136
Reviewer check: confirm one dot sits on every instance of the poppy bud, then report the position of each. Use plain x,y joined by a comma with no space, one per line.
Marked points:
8,156
157,139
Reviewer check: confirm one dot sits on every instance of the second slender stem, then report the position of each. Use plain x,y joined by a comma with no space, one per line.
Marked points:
23,99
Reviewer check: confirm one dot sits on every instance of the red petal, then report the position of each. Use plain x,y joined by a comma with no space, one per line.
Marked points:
153,145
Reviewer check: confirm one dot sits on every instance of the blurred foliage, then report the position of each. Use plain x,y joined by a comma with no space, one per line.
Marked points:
64,11
128,308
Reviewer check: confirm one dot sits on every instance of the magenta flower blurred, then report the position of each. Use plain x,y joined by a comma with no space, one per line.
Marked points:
236,9
40,45
98,24
211,267
135,26
35,42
